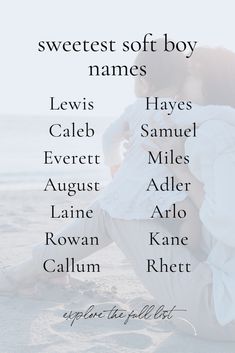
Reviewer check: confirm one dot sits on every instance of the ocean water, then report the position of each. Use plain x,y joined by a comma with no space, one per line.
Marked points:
24,139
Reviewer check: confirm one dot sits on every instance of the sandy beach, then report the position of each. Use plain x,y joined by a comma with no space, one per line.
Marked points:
35,323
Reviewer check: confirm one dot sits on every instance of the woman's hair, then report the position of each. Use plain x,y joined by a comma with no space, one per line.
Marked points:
164,69
215,67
